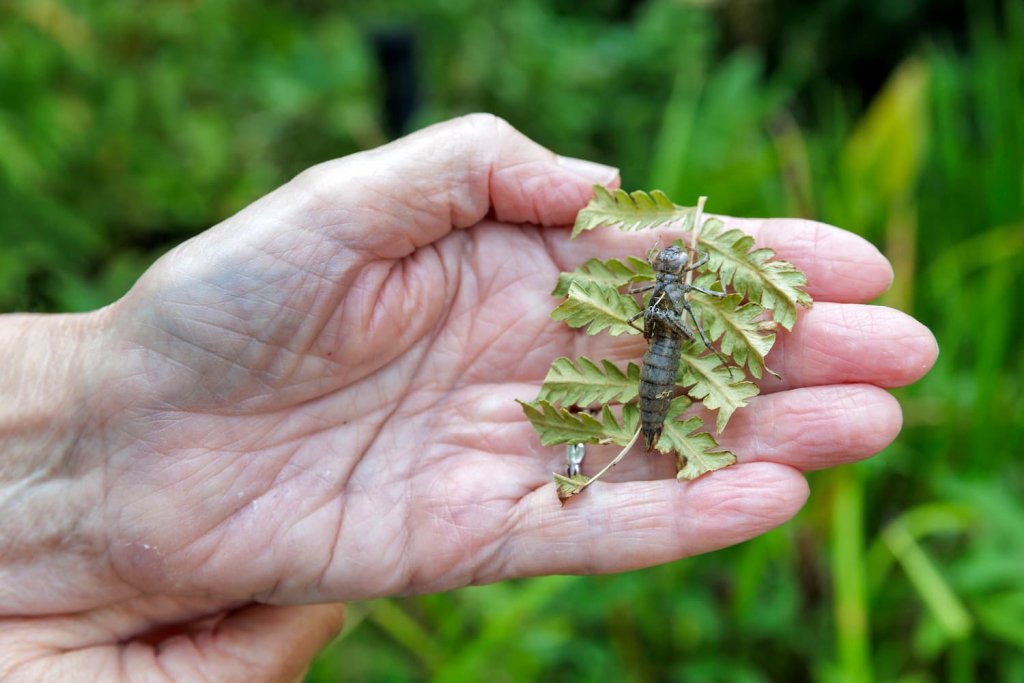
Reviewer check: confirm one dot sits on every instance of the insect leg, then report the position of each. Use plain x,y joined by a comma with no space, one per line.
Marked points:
652,253
677,294
673,320
694,266
709,292
637,290
630,322
700,330
699,262
656,297
679,300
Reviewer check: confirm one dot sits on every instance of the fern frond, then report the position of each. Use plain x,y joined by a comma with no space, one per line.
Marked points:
752,283
774,284
555,425
695,457
612,272
567,487
584,383
631,211
598,306
624,431
742,332
707,380
697,453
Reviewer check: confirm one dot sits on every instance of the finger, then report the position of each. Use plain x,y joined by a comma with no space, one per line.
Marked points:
848,343
255,643
623,526
414,190
840,266
807,429
816,427
830,344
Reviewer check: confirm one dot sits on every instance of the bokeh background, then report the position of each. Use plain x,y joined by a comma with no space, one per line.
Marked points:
127,127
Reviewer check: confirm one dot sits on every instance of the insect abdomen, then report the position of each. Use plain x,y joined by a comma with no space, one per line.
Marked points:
657,385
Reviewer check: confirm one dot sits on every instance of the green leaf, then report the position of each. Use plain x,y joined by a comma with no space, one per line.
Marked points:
555,425
706,379
744,334
584,383
753,283
631,211
774,284
628,424
567,487
612,272
696,452
599,306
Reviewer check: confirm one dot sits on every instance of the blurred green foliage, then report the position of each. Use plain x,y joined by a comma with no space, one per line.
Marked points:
126,128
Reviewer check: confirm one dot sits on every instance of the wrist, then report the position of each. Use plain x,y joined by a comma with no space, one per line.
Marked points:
50,469
43,407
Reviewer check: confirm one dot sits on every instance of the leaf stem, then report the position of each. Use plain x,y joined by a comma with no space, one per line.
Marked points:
617,458
695,233
568,492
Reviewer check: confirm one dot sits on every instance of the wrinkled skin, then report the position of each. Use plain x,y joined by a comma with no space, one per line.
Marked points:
312,402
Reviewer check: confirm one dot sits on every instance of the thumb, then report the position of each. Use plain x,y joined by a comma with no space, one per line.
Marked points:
259,643
451,175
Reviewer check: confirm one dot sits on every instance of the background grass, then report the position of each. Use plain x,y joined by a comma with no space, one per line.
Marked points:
124,129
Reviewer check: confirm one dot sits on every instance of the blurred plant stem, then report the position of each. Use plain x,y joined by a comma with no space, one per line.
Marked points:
794,166
853,640
933,589
394,620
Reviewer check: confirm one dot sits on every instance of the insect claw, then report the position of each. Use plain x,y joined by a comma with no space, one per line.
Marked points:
727,366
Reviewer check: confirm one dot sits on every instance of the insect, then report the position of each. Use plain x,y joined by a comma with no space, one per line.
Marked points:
665,328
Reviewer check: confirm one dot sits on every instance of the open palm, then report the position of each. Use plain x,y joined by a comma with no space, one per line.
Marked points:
313,401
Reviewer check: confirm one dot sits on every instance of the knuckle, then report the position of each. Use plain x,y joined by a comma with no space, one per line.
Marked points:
483,123
482,130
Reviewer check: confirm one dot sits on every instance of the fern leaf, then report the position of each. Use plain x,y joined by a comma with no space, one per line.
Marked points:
584,383
598,306
556,425
567,487
774,284
708,381
744,334
627,426
612,272
695,457
752,282
697,453
631,211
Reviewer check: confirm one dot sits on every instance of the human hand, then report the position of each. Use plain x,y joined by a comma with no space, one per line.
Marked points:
313,402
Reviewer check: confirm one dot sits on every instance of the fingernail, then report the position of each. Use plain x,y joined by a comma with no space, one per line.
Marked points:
591,170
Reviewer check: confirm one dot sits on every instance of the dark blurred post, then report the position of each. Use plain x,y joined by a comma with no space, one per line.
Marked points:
396,55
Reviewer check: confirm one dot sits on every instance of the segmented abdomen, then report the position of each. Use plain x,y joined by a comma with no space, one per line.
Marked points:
657,384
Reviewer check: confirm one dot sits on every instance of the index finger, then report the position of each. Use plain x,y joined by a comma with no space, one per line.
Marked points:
840,266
